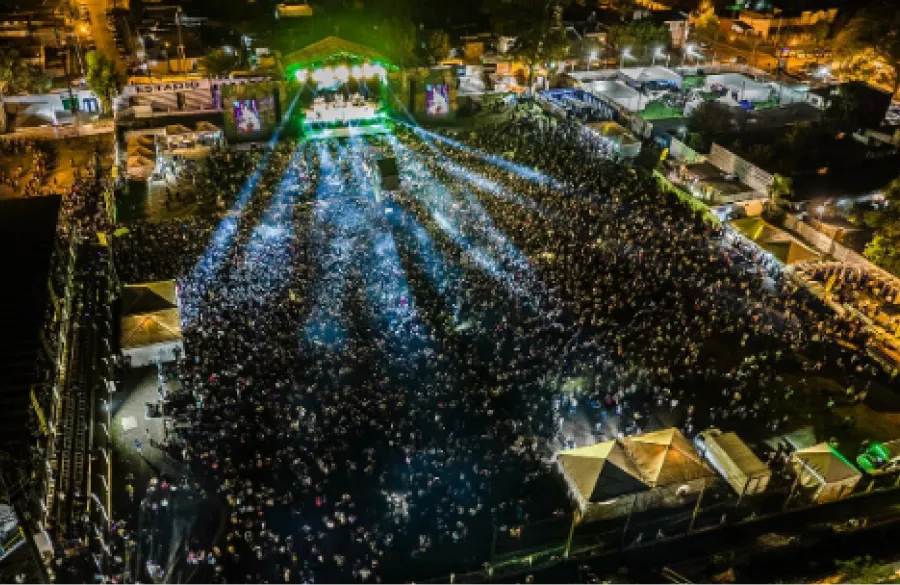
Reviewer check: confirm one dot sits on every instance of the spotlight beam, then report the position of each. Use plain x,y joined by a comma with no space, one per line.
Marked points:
212,258
437,199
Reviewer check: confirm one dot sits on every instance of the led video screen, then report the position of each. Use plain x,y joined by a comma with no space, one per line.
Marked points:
437,99
246,117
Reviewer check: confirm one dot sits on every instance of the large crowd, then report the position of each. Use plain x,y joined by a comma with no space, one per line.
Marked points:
36,158
375,380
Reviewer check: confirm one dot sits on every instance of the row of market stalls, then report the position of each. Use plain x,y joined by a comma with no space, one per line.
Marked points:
664,469
633,88
625,86
736,88
147,149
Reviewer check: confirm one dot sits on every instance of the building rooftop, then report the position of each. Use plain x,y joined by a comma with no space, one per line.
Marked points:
28,240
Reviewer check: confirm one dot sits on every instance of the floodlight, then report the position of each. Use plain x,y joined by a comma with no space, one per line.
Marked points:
342,73
324,76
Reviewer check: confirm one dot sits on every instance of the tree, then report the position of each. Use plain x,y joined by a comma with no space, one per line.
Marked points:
640,36
779,188
39,81
884,249
707,22
697,141
536,25
875,28
399,40
865,570
761,154
437,46
102,77
15,74
710,118
219,62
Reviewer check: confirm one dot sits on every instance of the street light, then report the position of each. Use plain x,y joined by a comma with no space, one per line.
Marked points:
688,51
659,53
626,54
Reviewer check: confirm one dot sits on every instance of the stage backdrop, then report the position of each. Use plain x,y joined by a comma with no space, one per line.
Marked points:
252,111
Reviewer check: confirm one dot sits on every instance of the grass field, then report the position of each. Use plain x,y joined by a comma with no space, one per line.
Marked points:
657,110
693,81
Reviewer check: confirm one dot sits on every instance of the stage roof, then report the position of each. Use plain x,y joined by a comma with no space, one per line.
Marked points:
330,48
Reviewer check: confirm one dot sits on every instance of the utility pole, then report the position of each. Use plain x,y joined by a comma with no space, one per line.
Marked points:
753,53
716,42
180,40
696,509
575,517
791,492
628,521
73,103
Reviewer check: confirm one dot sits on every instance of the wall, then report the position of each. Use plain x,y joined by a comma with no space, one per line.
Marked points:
749,174
678,30
722,199
146,356
825,244
665,496
681,151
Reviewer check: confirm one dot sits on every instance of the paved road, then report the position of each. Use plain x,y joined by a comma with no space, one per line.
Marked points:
103,37
763,57
62,133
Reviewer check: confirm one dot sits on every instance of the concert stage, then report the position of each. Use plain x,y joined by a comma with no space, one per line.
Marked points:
364,129
340,112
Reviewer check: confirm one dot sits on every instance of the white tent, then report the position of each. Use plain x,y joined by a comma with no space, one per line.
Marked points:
728,100
641,75
616,91
827,471
151,323
740,87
